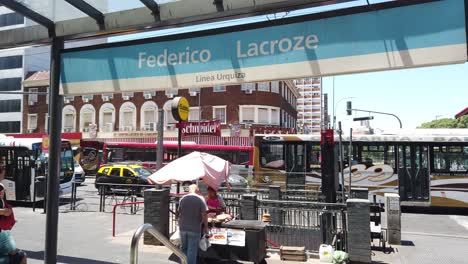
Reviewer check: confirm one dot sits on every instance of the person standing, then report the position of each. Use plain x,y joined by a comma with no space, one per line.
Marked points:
8,251
214,202
193,220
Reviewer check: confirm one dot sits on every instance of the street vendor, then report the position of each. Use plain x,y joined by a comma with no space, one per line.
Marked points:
214,202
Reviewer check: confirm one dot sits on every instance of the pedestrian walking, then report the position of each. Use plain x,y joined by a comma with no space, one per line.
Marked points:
192,221
9,254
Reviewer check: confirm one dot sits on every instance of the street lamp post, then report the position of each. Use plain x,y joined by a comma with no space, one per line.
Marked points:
334,109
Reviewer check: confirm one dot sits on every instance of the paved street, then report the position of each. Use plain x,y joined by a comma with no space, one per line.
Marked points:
85,236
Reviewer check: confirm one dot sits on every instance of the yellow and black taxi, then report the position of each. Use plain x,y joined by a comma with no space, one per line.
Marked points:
122,174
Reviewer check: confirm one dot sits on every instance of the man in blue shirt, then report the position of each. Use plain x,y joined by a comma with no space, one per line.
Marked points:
192,220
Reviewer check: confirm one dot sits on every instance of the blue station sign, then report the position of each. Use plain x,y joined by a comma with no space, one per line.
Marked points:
408,36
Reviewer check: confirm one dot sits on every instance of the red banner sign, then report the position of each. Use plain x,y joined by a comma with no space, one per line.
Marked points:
210,128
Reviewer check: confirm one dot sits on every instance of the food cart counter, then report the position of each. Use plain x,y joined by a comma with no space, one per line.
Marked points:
237,240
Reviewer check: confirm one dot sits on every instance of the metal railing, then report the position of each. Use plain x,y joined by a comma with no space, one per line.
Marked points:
107,190
132,204
160,237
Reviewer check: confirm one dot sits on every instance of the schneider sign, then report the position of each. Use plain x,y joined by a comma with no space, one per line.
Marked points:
207,128
416,35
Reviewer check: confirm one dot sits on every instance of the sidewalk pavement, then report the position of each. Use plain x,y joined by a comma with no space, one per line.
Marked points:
86,237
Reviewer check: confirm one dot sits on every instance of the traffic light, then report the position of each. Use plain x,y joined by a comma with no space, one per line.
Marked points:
349,108
363,118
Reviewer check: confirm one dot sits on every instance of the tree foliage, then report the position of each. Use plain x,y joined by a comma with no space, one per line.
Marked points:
461,122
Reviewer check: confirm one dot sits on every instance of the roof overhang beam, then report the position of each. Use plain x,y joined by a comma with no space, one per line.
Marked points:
172,14
88,10
154,7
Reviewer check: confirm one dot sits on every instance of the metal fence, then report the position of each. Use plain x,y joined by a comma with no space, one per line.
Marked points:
293,221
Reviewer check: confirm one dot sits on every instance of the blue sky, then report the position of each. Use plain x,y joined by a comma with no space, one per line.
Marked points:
415,95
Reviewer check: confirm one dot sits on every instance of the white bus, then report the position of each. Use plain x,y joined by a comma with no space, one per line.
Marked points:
26,167
425,167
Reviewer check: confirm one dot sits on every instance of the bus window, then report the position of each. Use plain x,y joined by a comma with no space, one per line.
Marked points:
375,155
453,159
272,156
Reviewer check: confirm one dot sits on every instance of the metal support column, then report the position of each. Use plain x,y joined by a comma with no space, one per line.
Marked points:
53,176
328,183
179,147
160,149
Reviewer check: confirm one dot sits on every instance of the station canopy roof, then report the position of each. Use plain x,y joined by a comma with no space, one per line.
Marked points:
79,19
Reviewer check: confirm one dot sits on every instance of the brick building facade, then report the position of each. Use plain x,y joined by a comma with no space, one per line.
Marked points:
266,105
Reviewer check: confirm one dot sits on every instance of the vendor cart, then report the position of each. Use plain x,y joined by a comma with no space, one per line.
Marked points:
243,240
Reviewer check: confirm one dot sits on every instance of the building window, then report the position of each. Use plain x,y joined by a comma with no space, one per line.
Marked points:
219,88
260,114
149,95
68,123
107,96
46,122
149,116
32,121
248,87
128,95
11,62
107,117
170,93
247,115
275,87
219,113
107,120
10,84
127,117
10,127
264,86
32,97
11,19
275,117
194,114
69,115
263,115
68,99
169,120
9,106
87,117
86,98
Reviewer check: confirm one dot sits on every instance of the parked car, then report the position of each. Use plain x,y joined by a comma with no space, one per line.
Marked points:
122,174
79,173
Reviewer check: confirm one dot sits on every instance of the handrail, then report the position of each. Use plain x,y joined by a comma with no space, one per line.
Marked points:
156,234
114,210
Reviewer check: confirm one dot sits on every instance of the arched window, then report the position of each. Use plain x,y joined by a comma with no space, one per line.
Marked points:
87,117
127,117
107,117
168,118
69,119
148,116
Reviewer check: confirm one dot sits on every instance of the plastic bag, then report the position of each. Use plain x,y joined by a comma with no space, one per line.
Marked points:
175,238
340,256
204,243
7,244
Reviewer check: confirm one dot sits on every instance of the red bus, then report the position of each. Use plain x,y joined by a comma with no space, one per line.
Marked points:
145,153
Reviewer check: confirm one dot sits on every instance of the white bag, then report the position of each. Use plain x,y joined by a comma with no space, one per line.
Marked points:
175,238
204,243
